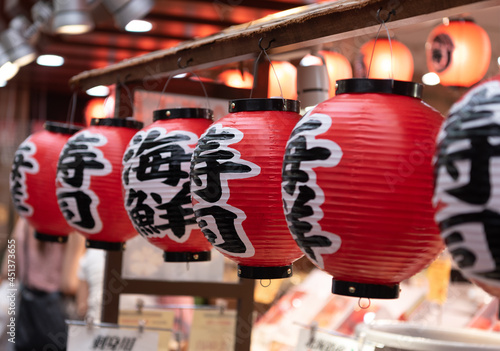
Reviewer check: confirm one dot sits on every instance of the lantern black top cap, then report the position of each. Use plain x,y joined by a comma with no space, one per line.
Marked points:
183,112
116,122
386,86
63,128
273,104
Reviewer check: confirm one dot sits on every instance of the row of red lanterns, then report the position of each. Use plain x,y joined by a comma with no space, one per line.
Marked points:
350,204
451,50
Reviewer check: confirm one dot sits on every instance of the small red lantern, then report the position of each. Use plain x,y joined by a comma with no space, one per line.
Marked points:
338,67
235,185
156,182
358,184
236,78
466,194
88,182
282,80
32,181
459,52
390,60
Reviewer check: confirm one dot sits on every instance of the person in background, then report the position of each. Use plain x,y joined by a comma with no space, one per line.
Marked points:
47,273
90,284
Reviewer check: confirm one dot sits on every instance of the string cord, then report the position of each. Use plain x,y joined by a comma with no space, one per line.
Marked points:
382,24
264,50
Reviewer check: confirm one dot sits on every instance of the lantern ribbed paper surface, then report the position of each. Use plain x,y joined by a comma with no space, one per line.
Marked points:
32,181
467,186
88,182
235,185
459,53
156,182
358,183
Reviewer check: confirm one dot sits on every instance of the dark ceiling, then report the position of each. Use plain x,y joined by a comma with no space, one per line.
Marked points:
173,21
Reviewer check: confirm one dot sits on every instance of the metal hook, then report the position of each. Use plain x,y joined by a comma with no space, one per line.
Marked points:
366,306
187,63
381,21
268,44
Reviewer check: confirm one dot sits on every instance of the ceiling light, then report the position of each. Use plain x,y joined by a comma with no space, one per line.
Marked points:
50,60
138,26
125,11
430,78
17,47
99,90
3,83
8,71
72,17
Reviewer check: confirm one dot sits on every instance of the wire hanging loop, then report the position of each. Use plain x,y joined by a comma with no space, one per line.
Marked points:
187,68
380,20
264,50
72,109
120,84
382,24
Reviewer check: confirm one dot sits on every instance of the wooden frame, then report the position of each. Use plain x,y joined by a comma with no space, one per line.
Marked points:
308,26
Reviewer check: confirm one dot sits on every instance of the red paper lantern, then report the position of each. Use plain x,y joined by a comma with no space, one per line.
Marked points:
236,78
235,185
338,67
282,74
358,184
32,181
466,194
385,63
88,182
156,182
459,53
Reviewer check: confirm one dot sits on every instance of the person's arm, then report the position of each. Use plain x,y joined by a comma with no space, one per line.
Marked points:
82,296
75,247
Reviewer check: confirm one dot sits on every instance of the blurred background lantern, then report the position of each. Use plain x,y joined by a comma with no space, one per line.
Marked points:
358,184
236,78
235,185
32,181
88,182
338,67
467,186
458,52
312,82
287,76
390,60
156,182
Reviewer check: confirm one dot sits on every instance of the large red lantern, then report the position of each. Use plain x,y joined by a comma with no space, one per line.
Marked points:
156,182
384,59
467,187
88,182
32,181
358,184
235,185
458,52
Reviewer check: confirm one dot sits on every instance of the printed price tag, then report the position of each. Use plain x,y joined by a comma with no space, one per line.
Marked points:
212,331
83,338
324,342
153,319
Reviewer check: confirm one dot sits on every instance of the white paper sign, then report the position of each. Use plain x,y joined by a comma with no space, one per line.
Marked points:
83,338
212,331
324,342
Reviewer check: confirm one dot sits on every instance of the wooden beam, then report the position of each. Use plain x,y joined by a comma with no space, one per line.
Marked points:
312,25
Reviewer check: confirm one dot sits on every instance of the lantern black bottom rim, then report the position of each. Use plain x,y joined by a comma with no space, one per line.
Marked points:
251,272
104,245
51,238
200,256
372,291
